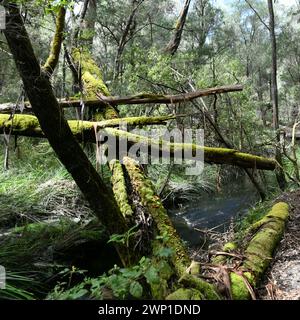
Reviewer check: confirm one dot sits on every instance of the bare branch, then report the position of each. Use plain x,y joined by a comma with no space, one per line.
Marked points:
144,98
257,14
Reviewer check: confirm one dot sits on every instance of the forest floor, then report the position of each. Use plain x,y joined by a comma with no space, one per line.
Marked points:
42,194
282,281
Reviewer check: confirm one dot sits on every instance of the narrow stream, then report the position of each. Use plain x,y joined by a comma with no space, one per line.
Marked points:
214,211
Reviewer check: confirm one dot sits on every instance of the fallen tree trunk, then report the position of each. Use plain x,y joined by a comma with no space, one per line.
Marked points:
120,189
143,98
258,253
211,155
150,227
165,236
26,125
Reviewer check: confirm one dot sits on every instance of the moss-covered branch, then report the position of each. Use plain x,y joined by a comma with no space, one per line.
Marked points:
28,125
153,204
53,58
211,155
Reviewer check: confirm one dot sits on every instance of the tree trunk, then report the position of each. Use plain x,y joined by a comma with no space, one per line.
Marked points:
56,129
279,173
97,100
89,24
176,38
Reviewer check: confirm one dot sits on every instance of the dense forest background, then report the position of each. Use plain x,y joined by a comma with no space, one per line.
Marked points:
155,48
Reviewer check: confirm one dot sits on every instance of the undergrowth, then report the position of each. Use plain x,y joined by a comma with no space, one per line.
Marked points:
43,220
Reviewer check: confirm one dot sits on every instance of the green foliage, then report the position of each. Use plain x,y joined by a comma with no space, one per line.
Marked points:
253,215
17,286
123,283
123,238
52,6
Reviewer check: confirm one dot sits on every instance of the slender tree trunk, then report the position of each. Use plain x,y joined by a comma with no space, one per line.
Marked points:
280,174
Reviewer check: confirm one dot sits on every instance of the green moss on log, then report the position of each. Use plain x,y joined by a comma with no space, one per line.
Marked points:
259,252
221,259
229,247
19,122
239,289
119,188
185,294
260,249
83,130
155,208
207,290
211,155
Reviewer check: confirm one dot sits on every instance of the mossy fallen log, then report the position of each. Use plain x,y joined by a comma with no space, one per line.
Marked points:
187,150
259,252
119,188
27,125
171,240
153,204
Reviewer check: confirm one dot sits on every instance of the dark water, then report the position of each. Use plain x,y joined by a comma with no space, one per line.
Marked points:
214,210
